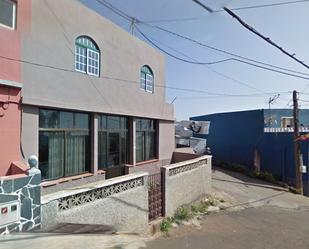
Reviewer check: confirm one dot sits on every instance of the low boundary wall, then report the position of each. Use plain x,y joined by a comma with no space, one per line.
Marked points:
121,202
186,182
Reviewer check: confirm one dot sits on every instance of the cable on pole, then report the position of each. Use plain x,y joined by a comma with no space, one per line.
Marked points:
267,39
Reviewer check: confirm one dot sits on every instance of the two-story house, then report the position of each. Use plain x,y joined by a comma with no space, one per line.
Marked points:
93,96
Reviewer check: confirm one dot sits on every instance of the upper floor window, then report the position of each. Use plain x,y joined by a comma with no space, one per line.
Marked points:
146,82
87,56
7,13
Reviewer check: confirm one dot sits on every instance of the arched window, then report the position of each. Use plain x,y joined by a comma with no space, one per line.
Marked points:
87,56
146,81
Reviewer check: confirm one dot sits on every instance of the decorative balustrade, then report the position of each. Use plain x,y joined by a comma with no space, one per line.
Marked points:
74,197
75,200
179,168
289,129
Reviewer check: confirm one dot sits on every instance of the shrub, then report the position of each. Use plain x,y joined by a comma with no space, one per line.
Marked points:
182,213
199,208
166,224
232,166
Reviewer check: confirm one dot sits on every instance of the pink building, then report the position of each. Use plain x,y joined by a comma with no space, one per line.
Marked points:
13,22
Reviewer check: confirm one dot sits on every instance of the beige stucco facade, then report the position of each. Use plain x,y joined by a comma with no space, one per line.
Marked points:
54,83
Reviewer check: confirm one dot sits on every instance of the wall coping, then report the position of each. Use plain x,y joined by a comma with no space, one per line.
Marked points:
90,186
11,83
184,163
12,177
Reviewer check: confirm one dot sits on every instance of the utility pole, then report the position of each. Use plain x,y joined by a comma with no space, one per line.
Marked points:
297,154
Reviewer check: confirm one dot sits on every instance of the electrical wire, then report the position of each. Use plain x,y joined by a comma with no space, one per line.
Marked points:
115,10
220,61
263,37
165,86
171,20
223,51
129,18
212,70
72,52
192,90
264,5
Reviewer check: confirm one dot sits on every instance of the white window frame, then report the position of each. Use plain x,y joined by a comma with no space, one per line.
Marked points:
14,17
88,50
147,85
78,70
143,81
98,68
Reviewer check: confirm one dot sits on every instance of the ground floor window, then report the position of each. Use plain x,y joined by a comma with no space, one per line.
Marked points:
146,139
113,141
64,143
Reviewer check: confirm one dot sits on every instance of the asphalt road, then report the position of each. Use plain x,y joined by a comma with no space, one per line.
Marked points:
252,228
261,216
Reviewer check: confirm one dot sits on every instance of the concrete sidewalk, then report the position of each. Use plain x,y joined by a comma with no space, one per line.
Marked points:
67,241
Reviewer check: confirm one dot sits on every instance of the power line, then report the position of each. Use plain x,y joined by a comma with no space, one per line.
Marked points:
222,75
178,58
171,20
264,5
220,61
114,9
214,71
127,17
223,51
137,82
242,83
221,10
203,6
267,39
72,52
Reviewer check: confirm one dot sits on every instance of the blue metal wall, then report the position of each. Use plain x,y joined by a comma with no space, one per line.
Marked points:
277,157
234,136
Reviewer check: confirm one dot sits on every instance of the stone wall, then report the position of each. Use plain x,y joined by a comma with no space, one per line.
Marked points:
186,182
20,196
121,202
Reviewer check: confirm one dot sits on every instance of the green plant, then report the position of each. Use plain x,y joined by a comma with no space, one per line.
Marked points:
182,213
263,175
199,208
166,224
232,166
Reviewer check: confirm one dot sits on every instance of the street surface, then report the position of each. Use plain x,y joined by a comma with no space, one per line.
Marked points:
261,216
258,215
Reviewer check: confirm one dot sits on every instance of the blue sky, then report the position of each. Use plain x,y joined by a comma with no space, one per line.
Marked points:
287,25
